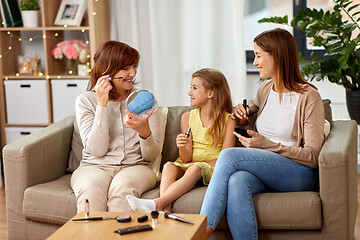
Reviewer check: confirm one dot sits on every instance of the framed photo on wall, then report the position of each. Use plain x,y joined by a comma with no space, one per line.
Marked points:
71,12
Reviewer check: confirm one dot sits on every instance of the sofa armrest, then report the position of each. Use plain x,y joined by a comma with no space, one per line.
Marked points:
338,180
38,158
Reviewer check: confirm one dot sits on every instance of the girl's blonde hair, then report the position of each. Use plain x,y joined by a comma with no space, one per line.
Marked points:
221,103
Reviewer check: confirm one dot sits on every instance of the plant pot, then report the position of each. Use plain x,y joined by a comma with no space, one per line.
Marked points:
353,104
30,19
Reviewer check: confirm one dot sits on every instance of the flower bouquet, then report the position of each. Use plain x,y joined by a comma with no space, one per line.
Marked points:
73,50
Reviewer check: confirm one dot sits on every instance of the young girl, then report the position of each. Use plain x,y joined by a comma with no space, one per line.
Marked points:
211,131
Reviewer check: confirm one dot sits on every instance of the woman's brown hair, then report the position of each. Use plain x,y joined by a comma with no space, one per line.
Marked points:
282,46
214,80
111,57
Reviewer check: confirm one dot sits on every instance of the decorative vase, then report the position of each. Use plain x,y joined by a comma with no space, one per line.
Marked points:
72,68
353,104
30,19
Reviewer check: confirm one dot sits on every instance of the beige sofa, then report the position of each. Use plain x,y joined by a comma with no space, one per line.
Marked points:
39,198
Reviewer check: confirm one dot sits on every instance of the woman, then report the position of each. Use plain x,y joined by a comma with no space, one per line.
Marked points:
118,145
290,149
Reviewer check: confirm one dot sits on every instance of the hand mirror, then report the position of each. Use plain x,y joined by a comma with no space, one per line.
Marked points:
140,102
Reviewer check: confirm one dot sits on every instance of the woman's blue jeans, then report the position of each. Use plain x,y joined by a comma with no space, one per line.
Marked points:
242,172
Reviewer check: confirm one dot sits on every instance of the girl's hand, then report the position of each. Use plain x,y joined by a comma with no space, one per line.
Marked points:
239,112
253,142
102,89
139,124
182,140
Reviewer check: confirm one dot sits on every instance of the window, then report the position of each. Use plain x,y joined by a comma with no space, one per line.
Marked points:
325,5
258,9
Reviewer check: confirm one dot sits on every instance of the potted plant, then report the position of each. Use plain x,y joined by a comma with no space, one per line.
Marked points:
335,33
30,12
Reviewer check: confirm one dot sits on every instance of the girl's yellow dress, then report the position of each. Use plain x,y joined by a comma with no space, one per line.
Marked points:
203,150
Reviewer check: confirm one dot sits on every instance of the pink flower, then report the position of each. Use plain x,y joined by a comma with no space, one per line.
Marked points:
72,49
71,53
56,53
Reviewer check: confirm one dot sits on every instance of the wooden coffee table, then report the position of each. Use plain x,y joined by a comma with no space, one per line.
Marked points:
104,229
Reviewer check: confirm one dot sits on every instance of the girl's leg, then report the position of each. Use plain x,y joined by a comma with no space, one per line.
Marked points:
169,175
178,188
240,212
274,170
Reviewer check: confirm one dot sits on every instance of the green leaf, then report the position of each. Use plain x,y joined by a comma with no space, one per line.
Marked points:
331,31
352,7
279,20
345,5
357,13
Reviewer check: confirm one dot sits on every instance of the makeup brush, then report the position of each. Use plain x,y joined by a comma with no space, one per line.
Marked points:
169,215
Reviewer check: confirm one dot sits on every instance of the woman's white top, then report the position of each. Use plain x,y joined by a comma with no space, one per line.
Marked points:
276,121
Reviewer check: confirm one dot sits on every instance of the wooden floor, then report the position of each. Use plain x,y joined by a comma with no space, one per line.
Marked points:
3,226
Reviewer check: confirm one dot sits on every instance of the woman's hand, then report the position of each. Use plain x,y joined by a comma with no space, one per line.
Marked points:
102,89
139,124
239,112
182,140
253,142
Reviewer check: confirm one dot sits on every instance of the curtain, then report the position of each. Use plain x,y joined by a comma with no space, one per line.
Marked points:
175,38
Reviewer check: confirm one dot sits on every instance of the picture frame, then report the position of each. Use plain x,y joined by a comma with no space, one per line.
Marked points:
71,12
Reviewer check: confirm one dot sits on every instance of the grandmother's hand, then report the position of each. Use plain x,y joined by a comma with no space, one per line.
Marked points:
102,89
253,142
139,124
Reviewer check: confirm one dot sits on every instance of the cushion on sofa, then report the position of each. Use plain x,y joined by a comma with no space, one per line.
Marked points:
328,113
75,154
53,202
173,128
278,211
288,211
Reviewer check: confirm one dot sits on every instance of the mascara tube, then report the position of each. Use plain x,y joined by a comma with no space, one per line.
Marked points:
87,208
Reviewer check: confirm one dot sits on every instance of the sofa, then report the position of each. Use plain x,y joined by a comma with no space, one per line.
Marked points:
39,198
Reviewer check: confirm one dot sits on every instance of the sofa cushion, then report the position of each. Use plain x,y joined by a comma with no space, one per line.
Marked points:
53,202
75,154
155,165
288,211
173,128
275,211
328,113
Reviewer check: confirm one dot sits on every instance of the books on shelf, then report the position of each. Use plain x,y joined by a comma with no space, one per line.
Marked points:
10,13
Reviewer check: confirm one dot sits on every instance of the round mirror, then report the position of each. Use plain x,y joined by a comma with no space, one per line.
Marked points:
140,102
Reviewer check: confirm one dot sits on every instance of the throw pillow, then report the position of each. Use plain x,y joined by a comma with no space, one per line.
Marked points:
155,165
75,155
